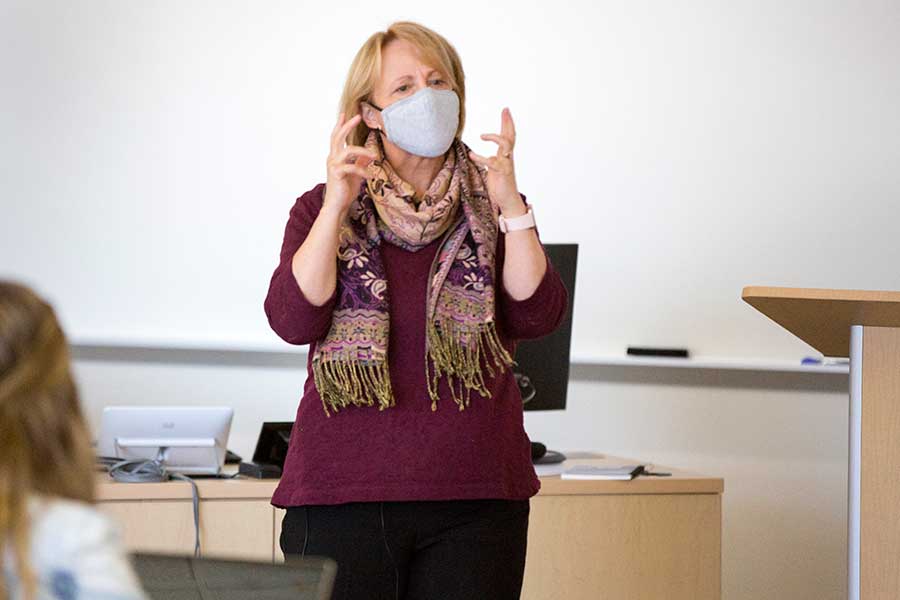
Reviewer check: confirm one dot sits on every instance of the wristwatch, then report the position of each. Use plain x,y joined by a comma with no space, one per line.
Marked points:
525,221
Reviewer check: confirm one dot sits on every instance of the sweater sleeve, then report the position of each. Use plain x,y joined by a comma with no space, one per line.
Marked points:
291,315
540,313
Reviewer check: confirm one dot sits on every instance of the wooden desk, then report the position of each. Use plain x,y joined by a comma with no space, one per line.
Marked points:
651,538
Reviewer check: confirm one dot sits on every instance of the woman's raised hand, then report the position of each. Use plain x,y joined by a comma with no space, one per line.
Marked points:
501,172
346,166
314,264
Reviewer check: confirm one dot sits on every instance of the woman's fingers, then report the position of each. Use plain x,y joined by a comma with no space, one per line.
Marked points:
507,138
352,168
348,126
353,153
340,121
492,163
483,160
505,144
355,156
358,151
339,138
507,126
335,130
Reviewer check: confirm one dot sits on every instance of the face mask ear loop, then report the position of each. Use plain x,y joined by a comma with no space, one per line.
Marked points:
379,109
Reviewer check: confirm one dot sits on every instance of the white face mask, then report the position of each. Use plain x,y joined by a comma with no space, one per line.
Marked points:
423,124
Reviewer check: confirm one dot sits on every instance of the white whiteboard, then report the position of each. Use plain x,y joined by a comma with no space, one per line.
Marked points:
151,151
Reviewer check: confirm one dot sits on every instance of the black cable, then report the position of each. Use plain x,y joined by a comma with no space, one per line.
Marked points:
644,471
305,530
390,555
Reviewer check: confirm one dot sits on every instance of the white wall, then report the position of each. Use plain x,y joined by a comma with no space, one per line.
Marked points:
780,442
152,151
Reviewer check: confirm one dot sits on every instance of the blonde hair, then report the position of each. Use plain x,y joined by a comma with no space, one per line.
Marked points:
44,442
365,70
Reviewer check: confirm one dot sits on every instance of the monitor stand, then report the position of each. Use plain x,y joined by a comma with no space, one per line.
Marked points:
541,456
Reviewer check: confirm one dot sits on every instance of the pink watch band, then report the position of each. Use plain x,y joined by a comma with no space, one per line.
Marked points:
525,221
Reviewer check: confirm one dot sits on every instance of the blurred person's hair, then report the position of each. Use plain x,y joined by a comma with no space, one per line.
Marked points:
45,447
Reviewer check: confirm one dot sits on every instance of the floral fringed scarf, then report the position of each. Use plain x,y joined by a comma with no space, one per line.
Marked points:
350,363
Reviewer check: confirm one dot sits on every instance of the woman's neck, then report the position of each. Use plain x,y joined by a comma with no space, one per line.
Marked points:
418,171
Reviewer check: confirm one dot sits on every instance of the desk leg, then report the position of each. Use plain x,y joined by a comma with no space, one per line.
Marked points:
854,474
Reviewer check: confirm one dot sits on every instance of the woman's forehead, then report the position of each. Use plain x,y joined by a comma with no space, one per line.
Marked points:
400,58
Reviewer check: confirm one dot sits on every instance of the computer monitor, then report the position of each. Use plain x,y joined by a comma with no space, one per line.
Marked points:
273,442
185,439
542,371
543,364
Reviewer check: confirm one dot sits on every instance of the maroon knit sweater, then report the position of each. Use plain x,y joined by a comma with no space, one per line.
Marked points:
407,451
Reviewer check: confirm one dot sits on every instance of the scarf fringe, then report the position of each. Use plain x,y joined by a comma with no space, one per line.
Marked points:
342,380
456,351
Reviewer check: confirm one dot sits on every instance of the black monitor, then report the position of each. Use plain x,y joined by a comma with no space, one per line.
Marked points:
272,445
543,364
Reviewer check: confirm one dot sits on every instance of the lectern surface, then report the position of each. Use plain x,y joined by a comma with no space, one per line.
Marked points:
822,317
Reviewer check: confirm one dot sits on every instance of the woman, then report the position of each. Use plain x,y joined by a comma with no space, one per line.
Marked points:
53,542
408,462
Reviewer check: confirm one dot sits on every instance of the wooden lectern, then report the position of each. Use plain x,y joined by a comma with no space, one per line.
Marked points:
865,326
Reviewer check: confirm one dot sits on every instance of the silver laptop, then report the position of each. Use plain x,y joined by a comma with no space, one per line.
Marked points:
186,578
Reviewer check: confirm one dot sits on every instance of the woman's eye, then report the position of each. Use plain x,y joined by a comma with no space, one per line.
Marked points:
402,88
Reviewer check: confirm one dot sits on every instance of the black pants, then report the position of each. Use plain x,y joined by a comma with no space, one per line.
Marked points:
422,550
